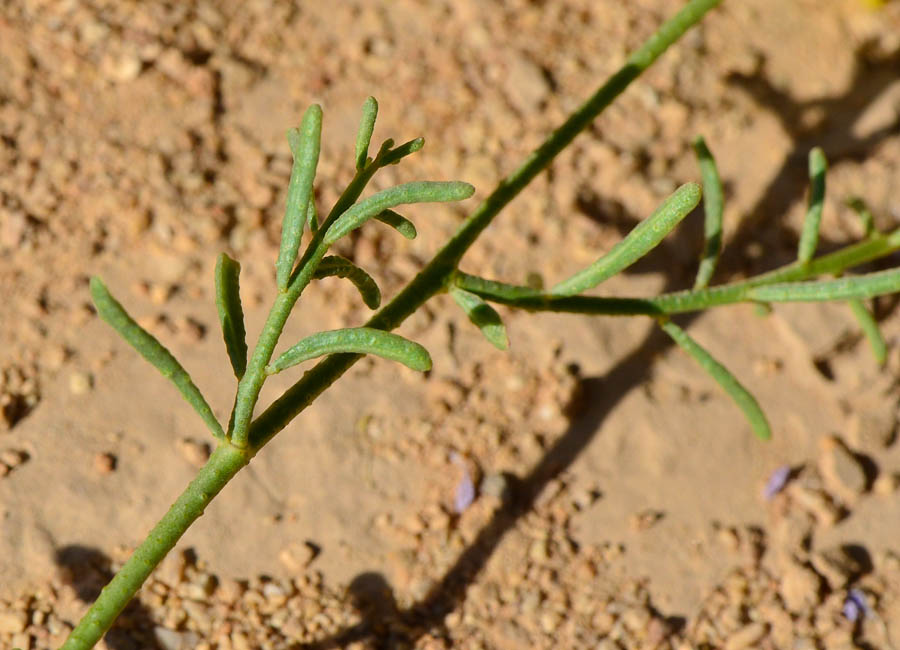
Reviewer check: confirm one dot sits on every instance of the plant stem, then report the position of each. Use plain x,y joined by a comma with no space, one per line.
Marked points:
694,300
222,465
437,273
248,437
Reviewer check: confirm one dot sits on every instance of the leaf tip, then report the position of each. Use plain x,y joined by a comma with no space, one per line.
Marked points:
97,288
462,190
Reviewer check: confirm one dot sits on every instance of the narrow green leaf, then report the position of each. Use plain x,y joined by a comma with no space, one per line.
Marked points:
415,192
809,238
393,156
869,285
870,328
357,340
865,215
305,144
741,396
312,216
364,135
153,351
713,203
335,265
400,223
483,316
384,148
231,314
640,241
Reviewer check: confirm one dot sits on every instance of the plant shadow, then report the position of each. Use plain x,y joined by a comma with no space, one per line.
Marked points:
831,126
386,626
87,571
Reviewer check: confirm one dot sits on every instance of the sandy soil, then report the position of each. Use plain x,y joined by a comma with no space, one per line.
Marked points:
619,492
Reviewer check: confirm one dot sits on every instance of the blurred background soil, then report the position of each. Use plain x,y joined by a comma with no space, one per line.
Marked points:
619,492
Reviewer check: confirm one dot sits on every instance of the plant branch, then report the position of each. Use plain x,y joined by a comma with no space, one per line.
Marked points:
223,464
437,273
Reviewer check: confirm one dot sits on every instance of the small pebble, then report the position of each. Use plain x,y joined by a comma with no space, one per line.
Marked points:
640,521
886,484
747,637
159,293
12,622
799,588
871,429
80,382
495,485
194,452
190,329
841,471
296,556
104,463
816,503
837,567
169,639
13,458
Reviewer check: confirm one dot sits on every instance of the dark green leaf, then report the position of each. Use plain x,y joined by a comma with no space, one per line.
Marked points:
231,314
153,351
357,340
483,316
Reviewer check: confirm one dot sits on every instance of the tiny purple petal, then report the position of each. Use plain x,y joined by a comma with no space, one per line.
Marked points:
776,482
855,605
465,493
465,490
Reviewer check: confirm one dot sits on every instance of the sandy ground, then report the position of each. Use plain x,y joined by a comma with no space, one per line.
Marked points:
619,492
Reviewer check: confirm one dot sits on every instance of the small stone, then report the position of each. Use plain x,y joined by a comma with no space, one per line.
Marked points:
886,484
657,632
167,639
549,621
799,588
585,498
841,472
539,551
13,622
816,503
194,452
230,590
159,293
636,619
126,67
837,567
871,429
640,521
80,382
12,458
21,641
728,538
190,329
56,356
104,463
525,84
495,485
747,637
839,639
296,557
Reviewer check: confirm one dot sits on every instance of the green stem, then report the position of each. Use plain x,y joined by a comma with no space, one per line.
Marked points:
223,464
251,383
248,437
685,301
437,273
